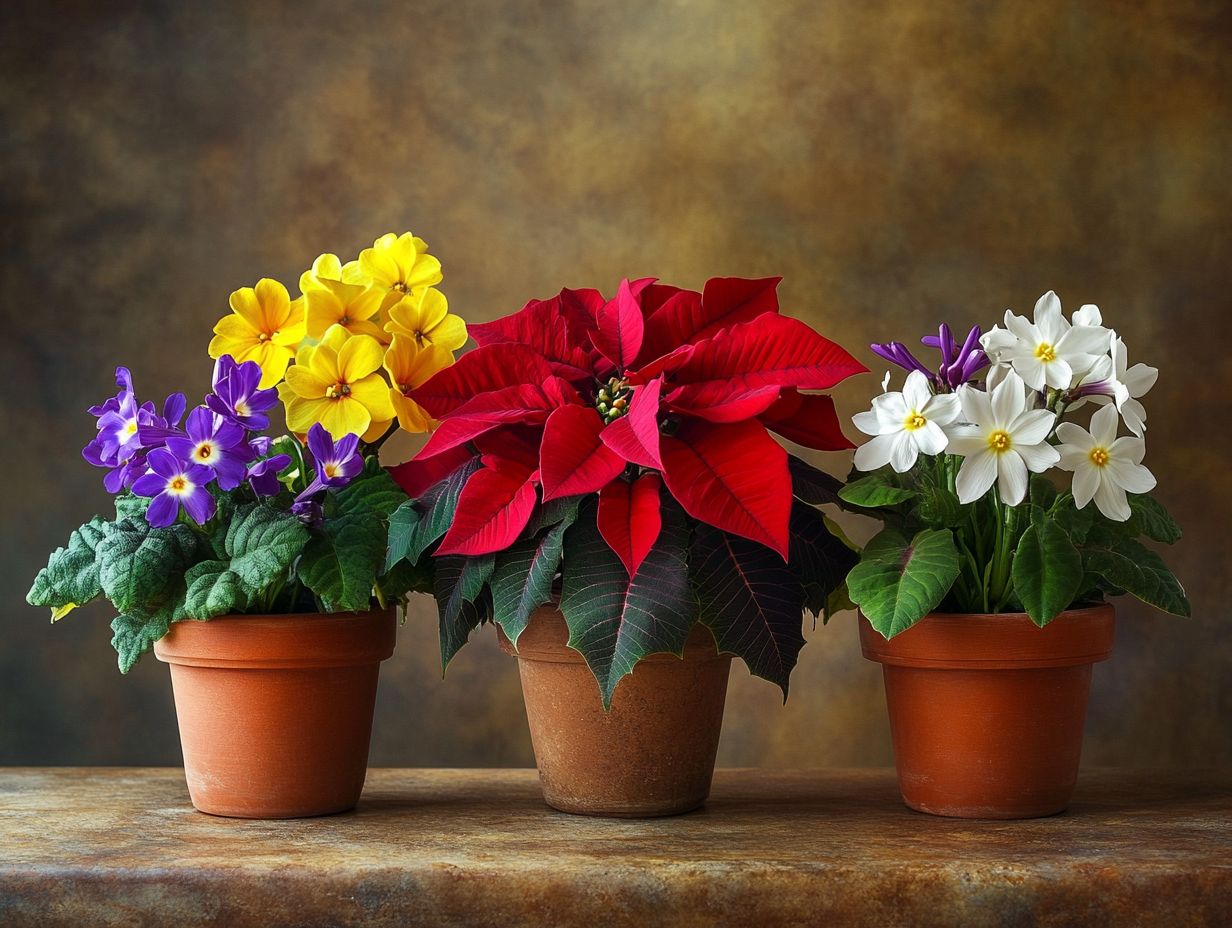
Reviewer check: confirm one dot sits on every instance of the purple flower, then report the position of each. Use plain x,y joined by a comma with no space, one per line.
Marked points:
122,426
236,396
308,511
337,463
174,484
215,443
263,475
958,364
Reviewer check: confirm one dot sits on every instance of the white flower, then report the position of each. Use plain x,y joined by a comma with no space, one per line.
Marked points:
1111,380
1049,351
1104,466
904,424
1001,440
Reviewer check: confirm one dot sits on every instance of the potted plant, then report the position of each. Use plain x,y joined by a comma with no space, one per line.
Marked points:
603,486
279,543
984,596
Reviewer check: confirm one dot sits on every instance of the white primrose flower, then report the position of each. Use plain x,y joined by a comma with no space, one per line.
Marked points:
1112,380
905,424
1049,351
1000,441
1104,466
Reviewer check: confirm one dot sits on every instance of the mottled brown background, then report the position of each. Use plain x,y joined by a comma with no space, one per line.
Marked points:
897,163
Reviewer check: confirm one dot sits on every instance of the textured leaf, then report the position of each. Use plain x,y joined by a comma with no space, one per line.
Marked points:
1075,522
405,577
373,493
129,506
1149,517
750,600
1134,568
1047,571
629,518
874,492
261,543
70,578
820,560
492,367
403,522
635,435
340,563
619,335
812,485
459,581
523,576
494,507
733,477
808,419
418,475
573,459
441,501
137,562
614,621
213,590
897,583
135,633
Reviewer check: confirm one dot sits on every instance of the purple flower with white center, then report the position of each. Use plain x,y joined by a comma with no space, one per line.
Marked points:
337,463
215,443
263,475
958,364
173,485
123,425
236,396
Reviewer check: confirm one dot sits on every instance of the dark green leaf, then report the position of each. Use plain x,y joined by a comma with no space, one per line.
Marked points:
897,583
614,621
262,542
522,580
70,578
1128,565
129,506
405,577
402,523
811,484
135,633
1043,492
213,590
1074,521
459,581
874,492
819,559
438,504
938,506
373,493
1149,517
1047,571
340,563
137,562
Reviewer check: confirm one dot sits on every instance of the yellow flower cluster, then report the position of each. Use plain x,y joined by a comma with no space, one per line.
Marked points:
362,336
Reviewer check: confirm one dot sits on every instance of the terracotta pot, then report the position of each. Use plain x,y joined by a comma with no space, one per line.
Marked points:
651,754
987,711
275,711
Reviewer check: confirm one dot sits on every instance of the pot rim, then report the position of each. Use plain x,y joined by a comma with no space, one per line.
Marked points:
1005,641
302,640
544,639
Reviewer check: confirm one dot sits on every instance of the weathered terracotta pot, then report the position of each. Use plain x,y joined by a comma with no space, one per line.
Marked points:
651,754
987,711
275,712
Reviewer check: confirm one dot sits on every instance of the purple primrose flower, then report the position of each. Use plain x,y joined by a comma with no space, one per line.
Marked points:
236,396
215,443
263,475
120,444
958,364
336,463
174,484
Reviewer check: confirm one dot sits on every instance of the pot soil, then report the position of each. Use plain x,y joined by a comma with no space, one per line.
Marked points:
651,754
987,711
275,712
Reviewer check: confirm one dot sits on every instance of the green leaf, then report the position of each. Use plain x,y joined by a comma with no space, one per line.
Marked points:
130,506
1128,565
262,542
135,633
373,493
340,563
1043,491
405,577
459,581
402,524
136,562
1074,521
819,559
70,578
1149,517
938,506
874,492
1047,571
213,590
812,485
750,600
839,601
439,501
897,583
614,621
524,574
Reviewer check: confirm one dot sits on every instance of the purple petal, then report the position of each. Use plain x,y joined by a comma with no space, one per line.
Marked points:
114,480
346,446
163,510
182,448
173,408
230,471
163,462
199,505
319,442
200,424
149,484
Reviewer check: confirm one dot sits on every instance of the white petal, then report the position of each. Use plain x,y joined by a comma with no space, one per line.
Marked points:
930,439
1032,427
977,474
1023,330
1139,379
1131,450
1011,478
1086,482
875,453
942,409
916,393
967,442
1088,314
1059,374
1134,415
1133,477
1073,457
1111,501
1084,339
1104,426
885,382
1008,400
890,408
976,406
867,422
995,375
1075,436
1032,371
903,453
1048,317
1039,457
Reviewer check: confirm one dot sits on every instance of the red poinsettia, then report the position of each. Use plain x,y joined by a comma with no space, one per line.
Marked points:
578,394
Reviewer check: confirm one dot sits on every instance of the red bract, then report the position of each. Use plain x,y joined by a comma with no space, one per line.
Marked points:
655,379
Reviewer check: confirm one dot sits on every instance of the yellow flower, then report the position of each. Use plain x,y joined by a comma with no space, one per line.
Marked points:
352,306
325,267
264,326
409,367
425,318
396,264
336,383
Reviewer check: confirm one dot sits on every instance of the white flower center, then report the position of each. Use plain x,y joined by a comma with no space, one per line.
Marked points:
205,452
241,408
999,441
331,469
179,485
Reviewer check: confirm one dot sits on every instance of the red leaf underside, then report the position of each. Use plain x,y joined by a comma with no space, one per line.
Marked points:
415,476
542,325
522,403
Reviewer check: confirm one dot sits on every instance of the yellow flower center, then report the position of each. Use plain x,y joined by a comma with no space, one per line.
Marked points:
1045,352
399,285
914,421
131,428
345,320
404,389
241,408
1100,457
331,470
337,391
178,485
999,441
263,336
204,452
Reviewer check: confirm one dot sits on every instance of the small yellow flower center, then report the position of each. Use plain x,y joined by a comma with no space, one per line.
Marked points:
404,389
241,408
263,336
999,441
204,451
1045,352
613,399
331,470
345,320
914,421
337,391
1100,457
178,484
131,428
400,286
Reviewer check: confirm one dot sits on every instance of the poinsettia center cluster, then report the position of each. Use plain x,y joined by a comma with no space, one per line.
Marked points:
655,398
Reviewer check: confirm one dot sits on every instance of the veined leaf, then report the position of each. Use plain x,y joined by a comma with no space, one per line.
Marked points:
494,507
812,485
130,506
818,559
441,501
1150,518
136,562
874,492
374,492
402,524
523,576
262,542
405,577
613,621
1047,571
1128,565
340,563
214,590
1075,522
574,458
135,633
459,581
750,600
898,582
70,578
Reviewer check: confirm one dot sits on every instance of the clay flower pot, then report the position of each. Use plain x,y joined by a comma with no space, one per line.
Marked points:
651,754
986,711
275,711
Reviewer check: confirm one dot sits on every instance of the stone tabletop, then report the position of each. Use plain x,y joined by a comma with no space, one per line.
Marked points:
116,846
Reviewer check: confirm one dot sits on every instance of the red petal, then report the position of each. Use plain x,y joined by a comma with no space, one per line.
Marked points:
522,403
492,367
771,350
619,336
512,444
629,518
543,325
417,475
717,403
733,477
689,317
635,435
655,295
493,508
808,419
573,459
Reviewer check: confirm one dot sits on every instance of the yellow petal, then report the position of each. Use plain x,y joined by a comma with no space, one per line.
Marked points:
379,265
425,272
335,337
359,357
323,309
376,430
291,330
306,383
403,317
236,327
433,307
60,612
411,416
365,303
450,333
430,360
244,303
325,267
400,359
324,360
302,413
352,273
373,392
344,416
275,303
366,328
273,360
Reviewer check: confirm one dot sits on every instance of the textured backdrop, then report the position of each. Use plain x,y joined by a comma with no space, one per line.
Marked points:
897,163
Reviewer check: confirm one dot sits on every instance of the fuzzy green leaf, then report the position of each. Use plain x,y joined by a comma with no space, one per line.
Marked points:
130,506
458,584
874,492
341,562
1074,521
750,600
614,621
214,590
402,524
1047,571
1149,517
524,574
405,577
374,492
1128,565
70,578
818,559
135,633
897,583
262,542
439,503
137,562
